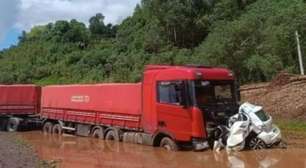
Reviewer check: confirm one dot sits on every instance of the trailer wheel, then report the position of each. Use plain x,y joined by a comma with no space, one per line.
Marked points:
12,124
57,129
168,144
112,135
47,127
256,143
98,133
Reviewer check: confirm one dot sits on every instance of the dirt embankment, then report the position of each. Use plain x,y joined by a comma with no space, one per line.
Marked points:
14,153
284,97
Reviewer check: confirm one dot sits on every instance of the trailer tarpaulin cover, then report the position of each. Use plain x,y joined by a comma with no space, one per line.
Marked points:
19,99
100,103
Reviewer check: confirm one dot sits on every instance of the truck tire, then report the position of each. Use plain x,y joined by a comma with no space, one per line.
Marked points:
47,127
98,133
168,144
12,124
112,135
57,129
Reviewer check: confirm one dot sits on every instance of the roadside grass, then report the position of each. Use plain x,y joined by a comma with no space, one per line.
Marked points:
292,128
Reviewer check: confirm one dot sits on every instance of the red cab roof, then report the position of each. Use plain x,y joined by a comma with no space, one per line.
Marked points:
190,72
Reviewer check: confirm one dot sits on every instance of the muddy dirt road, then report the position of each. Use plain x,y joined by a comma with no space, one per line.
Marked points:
77,152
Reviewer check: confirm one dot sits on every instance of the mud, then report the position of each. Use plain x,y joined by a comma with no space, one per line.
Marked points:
70,151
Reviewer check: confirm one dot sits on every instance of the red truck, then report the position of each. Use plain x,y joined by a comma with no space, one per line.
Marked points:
173,107
19,104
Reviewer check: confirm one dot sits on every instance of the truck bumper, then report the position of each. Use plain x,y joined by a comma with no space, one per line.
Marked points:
199,144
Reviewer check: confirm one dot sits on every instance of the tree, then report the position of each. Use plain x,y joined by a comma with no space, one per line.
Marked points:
22,38
180,20
257,44
77,33
98,28
96,24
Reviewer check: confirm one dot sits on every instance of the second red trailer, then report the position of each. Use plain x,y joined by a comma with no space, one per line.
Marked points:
19,105
19,99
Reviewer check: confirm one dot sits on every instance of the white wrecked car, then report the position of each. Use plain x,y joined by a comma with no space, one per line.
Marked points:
250,128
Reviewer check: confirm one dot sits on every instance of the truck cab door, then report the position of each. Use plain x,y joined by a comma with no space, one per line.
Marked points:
173,115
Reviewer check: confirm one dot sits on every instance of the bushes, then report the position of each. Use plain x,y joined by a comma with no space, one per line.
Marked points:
260,42
254,38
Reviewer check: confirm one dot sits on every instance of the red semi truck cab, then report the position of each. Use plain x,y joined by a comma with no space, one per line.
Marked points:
186,103
173,106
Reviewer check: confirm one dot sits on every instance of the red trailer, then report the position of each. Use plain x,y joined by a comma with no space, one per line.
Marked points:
18,104
101,104
174,106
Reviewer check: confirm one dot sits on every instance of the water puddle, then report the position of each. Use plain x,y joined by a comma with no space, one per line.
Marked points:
78,152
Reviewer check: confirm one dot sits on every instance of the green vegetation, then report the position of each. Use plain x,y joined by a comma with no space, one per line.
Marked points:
292,128
254,38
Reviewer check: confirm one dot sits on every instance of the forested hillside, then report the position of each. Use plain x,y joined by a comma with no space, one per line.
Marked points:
254,38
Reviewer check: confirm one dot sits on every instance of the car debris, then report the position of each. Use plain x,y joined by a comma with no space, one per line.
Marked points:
251,128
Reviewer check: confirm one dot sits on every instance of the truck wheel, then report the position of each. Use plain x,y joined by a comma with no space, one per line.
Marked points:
47,128
98,133
256,143
168,144
12,124
112,135
57,129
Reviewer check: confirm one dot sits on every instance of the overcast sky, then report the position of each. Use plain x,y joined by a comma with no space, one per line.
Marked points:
18,15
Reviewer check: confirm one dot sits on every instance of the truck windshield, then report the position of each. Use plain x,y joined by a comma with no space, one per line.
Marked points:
214,92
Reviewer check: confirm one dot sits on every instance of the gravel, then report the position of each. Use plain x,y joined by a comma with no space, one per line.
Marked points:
15,153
